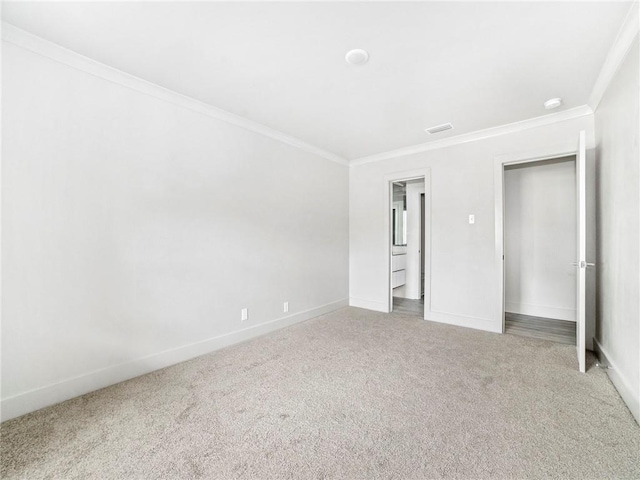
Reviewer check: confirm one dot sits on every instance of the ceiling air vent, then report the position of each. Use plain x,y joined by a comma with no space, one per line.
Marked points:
439,128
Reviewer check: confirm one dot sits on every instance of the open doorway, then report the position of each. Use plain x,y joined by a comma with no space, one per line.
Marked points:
579,262
408,247
540,232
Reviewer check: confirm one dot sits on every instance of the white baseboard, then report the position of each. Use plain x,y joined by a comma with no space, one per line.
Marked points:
541,311
43,397
484,324
368,305
619,380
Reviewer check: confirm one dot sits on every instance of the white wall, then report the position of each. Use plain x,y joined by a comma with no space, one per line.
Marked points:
135,230
618,157
540,238
463,284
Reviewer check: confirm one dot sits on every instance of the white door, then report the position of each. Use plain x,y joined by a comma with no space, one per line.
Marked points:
581,264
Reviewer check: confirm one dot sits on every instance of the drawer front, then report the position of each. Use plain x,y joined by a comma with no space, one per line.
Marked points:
398,278
398,262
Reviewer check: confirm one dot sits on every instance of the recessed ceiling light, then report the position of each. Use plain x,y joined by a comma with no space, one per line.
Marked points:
357,56
439,128
552,103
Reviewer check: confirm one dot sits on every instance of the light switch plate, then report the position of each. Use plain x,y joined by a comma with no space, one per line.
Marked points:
244,314
472,219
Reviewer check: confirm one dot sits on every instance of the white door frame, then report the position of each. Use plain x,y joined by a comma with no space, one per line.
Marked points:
388,193
556,151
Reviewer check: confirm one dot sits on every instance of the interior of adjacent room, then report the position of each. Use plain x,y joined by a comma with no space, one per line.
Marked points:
407,247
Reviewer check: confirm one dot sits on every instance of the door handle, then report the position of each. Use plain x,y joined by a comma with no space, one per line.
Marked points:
583,264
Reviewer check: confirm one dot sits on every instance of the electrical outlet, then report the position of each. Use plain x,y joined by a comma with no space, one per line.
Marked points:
244,314
286,307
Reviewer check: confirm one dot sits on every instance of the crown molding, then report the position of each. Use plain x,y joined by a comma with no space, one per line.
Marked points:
621,46
549,119
53,51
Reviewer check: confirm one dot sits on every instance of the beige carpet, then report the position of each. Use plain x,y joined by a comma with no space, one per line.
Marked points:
352,394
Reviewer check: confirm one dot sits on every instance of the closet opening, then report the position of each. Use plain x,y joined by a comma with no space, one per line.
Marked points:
540,238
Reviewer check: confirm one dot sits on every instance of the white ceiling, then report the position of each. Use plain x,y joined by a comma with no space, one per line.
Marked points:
476,65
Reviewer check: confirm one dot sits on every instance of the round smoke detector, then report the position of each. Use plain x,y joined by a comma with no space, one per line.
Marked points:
552,103
357,56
